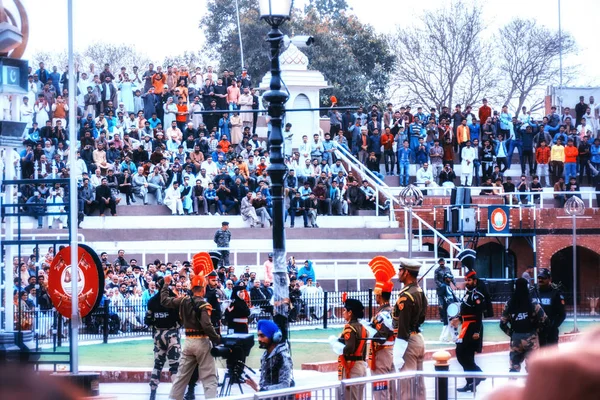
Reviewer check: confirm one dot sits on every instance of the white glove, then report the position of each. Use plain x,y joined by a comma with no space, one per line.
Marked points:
336,346
398,353
370,330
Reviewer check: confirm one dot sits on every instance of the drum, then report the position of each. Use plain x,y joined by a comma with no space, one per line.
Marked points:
453,310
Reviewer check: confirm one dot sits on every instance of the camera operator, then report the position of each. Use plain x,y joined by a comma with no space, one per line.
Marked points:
276,368
200,336
165,332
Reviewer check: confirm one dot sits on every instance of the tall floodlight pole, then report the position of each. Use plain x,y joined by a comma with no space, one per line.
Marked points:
75,320
560,59
574,207
275,13
237,11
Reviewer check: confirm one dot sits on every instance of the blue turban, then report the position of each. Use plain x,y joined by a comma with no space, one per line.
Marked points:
267,327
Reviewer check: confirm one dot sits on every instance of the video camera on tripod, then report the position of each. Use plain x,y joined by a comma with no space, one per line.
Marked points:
233,349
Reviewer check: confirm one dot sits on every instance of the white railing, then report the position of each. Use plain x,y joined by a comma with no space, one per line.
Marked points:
338,271
546,197
405,384
379,185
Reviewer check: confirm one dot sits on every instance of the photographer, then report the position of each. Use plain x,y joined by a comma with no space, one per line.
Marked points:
200,336
276,367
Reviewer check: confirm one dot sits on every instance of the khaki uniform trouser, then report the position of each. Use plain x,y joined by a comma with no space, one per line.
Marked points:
196,352
384,364
413,361
359,369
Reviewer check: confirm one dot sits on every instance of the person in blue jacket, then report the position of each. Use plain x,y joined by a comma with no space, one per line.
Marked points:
307,272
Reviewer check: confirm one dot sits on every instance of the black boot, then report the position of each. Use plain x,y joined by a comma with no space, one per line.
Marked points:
467,388
153,394
190,393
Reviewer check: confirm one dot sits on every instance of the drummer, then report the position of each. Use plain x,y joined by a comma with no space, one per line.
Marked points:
449,307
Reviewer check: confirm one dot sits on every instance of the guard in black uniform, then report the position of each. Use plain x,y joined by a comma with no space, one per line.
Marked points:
470,339
214,297
236,315
553,303
167,341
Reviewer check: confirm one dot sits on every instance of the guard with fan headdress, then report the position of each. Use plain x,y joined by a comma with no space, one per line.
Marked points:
236,315
407,316
165,332
381,359
200,334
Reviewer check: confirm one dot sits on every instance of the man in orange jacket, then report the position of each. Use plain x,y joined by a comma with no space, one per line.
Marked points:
571,154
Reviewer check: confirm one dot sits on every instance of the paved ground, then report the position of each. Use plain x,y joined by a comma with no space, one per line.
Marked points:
491,363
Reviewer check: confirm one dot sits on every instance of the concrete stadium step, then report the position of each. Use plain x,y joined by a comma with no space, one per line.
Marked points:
238,233
163,222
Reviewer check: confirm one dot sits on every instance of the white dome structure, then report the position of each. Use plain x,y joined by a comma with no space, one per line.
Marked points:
303,85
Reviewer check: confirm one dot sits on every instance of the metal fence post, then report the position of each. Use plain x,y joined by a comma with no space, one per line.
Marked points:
325,310
441,383
59,329
370,303
105,324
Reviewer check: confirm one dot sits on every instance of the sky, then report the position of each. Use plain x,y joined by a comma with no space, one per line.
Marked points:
124,21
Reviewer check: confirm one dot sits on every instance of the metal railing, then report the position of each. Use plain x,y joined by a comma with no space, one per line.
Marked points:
378,184
546,198
394,202
405,385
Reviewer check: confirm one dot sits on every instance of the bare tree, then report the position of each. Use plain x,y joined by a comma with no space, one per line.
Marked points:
529,59
443,59
189,58
117,55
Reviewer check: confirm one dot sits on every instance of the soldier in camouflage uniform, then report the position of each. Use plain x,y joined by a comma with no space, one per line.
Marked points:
167,343
222,239
521,320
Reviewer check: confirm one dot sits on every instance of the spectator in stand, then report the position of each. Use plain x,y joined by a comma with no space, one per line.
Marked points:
268,268
468,155
584,155
436,155
559,198
542,158
580,108
557,160
595,154
447,176
484,112
307,272
425,177
404,157
571,154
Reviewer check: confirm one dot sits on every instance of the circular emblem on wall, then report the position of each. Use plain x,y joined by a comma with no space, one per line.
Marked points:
90,281
499,219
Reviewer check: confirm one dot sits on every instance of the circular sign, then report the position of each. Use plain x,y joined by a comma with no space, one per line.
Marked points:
499,219
90,281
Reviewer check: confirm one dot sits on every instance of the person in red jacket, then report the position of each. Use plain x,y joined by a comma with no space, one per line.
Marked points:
571,154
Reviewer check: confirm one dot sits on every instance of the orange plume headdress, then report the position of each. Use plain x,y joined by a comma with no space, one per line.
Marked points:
202,265
384,271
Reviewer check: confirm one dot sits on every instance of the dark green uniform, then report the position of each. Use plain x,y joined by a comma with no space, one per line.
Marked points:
522,327
165,332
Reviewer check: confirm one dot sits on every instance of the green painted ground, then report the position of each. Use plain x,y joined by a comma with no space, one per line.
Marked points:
138,353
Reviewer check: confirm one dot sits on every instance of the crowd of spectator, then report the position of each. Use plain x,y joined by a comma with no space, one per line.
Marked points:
556,146
164,134
129,286
187,138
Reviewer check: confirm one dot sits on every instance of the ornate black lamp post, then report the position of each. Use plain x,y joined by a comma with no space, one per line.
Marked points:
275,13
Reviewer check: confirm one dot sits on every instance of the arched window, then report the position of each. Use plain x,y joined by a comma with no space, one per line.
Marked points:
494,262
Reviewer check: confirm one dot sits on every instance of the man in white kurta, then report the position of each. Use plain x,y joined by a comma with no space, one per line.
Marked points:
468,154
